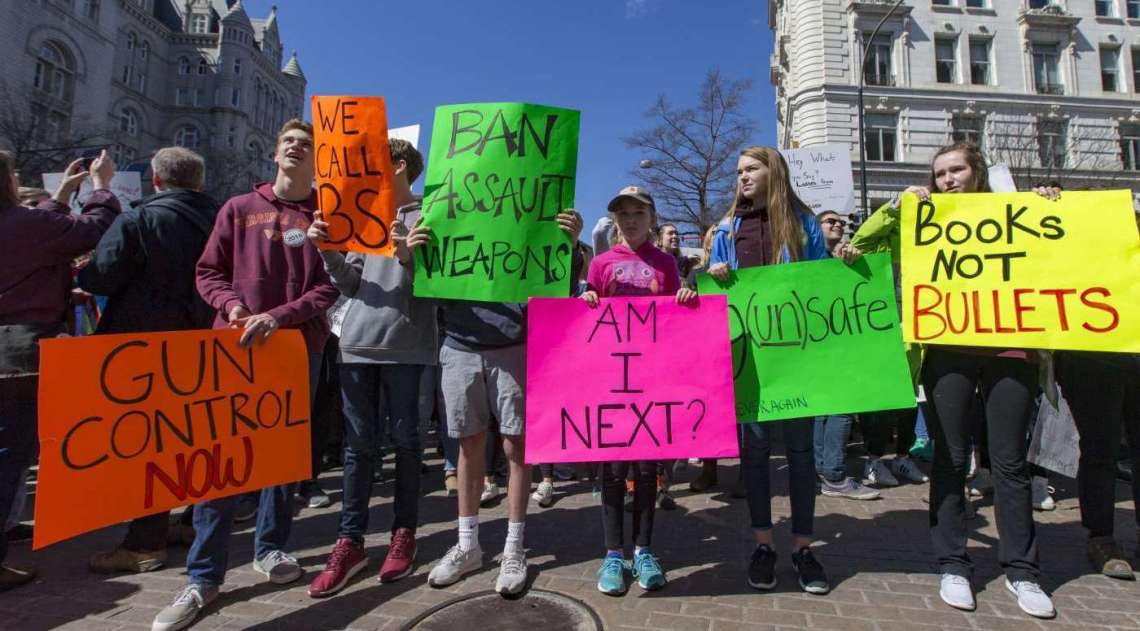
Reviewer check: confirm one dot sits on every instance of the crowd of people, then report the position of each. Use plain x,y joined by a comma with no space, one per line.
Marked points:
389,362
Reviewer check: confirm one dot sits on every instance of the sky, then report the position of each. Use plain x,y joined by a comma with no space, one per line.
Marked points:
610,59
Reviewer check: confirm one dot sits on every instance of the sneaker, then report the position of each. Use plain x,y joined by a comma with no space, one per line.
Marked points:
813,579
20,533
1042,493
123,560
762,568
648,571
849,489
451,484
185,609
312,495
544,494
512,574
611,576
665,499
11,578
877,473
1031,598
246,508
922,449
279,567
454,565
1108,559
982,484
400,560
955,591
346,560
904,467
491,492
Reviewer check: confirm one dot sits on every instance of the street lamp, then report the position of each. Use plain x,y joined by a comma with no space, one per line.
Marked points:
862,129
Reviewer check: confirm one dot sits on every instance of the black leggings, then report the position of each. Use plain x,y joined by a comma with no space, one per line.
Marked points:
613,475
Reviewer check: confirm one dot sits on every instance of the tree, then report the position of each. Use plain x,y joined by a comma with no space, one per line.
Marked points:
230,172
689,154
38,149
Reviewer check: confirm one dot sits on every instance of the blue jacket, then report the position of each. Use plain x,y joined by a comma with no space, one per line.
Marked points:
724,245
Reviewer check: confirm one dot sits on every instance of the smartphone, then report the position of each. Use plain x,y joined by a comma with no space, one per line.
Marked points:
88,156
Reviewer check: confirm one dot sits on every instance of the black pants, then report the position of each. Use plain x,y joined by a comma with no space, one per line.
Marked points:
613,475
755,454
880,427
1007,387
326,404
1103,397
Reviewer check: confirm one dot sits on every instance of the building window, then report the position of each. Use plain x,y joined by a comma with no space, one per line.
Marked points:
132,41
125,77
1133,9
187,136
203,66
122,155
877,65
237,66
182,96
1046,73
231,137
944,63
1039,4
140,82
1109,69
91,9
1130,147
199,23
1136,69
54,72
1051,143
880,137
129,122
1104,8
183,66
968,128
199,97
980,61
235,97
940,3
976,4
144,51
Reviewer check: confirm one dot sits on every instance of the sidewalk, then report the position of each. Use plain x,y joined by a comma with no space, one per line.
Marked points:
876,553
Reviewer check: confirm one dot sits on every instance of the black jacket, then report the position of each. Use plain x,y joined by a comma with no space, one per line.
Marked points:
145,263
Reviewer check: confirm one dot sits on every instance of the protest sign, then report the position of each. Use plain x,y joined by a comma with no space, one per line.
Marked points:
131,425
354,173
821,176
631,379
126,185
498,175
1017,270
815,338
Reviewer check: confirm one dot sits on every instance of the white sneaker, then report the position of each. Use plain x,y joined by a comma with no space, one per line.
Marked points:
904,467
455,565
878,474
491,492
956,592
185,609
512,574
544,494
1031,598
1042,493
982,484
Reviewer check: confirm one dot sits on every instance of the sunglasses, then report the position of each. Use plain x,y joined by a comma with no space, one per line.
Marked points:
842,224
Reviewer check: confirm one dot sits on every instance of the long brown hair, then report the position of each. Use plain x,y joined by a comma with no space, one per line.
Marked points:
9,196
974,158
784,206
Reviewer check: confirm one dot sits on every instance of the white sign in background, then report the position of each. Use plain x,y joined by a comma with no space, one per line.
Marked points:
126,185
822,178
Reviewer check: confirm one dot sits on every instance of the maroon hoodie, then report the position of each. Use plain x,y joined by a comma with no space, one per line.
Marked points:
258,256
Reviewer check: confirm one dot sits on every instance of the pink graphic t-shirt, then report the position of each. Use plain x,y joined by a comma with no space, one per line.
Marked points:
625,272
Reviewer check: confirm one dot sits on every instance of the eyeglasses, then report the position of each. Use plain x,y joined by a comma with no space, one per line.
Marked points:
842,224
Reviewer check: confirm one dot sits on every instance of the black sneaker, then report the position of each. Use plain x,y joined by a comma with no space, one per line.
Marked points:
665,501
813,579
762,568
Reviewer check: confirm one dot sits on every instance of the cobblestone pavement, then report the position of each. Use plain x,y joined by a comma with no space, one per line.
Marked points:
877,554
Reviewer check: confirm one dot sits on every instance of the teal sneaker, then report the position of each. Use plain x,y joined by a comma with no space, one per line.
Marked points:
611,576
648,572
922,450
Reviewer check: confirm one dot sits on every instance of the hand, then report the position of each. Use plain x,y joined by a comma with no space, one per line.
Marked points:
922,192
1051,193
261,325
685,295
72,178
102,171
849,253
399,232
420,235
719,271
318,231
237,316
570,222
590,297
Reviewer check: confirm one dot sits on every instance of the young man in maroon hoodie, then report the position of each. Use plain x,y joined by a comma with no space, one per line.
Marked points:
260,273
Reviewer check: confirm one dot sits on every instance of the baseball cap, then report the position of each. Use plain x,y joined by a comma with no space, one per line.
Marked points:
633,192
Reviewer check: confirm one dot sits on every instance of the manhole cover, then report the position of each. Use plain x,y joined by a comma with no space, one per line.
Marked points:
537,609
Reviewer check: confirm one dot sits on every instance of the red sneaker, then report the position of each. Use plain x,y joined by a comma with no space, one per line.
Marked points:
346,560
401,555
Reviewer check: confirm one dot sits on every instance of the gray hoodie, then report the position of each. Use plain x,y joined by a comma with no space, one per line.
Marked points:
384,323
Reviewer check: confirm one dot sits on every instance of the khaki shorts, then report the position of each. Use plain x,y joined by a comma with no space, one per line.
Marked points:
481,386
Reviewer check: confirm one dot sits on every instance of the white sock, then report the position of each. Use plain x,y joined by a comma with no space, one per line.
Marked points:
468,532
514,538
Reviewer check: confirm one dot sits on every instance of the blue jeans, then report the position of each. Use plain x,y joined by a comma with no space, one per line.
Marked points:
831,434
920,430
756,448
18,442
378,396
214,520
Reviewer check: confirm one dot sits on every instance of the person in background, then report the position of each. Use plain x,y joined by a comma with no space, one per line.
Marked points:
30,196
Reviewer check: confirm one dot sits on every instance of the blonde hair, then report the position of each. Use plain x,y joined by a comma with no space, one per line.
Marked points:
706,245
785,208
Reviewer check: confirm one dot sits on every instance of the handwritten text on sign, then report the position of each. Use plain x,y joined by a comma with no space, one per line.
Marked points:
632,379
1019,270
131,425
498,175
815,338
354,173
821,176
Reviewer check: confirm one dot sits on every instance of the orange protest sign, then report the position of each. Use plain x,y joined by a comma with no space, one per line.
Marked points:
132,425
354,173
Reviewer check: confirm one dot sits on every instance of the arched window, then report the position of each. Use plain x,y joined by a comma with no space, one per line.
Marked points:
183,65
187,136
237,66
132,41
144,51
129,122
199,23
203,66
55,73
